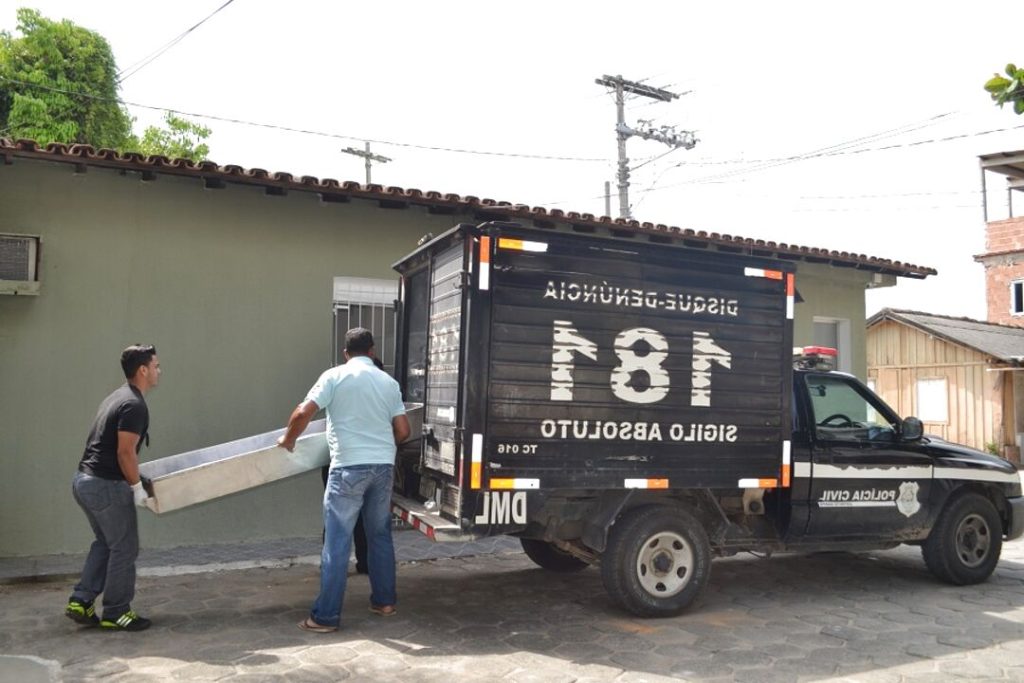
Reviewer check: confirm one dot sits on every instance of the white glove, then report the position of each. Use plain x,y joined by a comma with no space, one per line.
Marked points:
140,494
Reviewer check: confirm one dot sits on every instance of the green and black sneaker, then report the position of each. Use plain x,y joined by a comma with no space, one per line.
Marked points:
129,621
81,613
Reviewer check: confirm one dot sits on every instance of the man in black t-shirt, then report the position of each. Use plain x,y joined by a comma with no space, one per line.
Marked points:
107,487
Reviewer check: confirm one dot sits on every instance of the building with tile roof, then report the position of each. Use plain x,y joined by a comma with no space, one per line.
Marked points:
243,278
964,378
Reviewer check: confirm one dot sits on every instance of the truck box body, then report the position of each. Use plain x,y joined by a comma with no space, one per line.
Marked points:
559,361
632,402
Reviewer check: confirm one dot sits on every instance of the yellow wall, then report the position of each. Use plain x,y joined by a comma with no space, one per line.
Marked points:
832,293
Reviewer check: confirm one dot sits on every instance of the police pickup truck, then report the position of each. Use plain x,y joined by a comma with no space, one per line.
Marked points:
637,406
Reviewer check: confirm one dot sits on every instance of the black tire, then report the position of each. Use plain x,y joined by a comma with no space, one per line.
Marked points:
966,541
549,557
657,562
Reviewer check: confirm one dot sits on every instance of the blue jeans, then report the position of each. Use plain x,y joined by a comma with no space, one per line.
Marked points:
110,566
351,490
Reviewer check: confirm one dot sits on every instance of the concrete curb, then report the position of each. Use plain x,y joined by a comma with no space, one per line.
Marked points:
214,567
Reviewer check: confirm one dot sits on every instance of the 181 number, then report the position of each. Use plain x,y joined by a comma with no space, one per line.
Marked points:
568,342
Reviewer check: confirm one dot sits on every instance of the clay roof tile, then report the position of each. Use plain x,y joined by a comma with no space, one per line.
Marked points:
209,169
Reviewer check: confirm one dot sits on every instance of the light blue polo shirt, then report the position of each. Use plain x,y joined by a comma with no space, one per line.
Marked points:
360,401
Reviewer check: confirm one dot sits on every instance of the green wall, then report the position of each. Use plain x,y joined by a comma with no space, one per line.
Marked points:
234,288
832,292
231,285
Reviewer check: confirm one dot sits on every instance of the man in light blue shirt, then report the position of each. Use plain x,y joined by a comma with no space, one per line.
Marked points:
365,420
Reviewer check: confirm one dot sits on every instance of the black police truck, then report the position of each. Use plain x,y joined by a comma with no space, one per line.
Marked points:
636,404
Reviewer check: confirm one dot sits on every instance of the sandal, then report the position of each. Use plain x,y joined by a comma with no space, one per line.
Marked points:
308,624
383,610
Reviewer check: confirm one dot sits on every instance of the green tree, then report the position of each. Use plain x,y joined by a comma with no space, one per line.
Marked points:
58,83
180,139
1009,88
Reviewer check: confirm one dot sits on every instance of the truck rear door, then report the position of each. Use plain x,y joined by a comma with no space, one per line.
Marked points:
429,368
606,363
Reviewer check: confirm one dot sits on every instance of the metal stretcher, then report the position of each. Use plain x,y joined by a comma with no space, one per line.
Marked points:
197,476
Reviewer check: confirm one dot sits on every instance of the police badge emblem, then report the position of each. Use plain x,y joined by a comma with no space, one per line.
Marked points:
907,500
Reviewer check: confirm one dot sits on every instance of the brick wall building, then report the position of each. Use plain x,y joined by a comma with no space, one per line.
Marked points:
1004,242
1004,271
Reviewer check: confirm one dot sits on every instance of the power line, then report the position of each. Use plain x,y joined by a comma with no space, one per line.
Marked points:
303,131
838,147
541,157
653,159
656,180
934,207
944,193
133,69
841,146
723,178
863,150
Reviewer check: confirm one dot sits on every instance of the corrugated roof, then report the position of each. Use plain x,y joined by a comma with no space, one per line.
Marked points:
1003,342
1010,164
330,189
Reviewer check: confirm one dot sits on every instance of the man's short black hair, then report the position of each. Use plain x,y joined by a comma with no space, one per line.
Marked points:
358,341
135,356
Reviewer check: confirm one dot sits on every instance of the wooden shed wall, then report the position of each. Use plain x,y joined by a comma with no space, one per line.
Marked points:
898,356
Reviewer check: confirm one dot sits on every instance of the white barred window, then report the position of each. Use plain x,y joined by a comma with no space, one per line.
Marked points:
369,303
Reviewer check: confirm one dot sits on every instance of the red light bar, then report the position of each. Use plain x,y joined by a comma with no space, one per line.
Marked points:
815,358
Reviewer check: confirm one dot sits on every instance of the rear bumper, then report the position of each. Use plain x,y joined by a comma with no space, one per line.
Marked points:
1016,522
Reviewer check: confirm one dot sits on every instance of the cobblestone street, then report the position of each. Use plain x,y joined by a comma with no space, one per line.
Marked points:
868,617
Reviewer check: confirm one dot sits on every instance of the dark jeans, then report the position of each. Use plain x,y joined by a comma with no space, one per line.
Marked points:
110,566
358,535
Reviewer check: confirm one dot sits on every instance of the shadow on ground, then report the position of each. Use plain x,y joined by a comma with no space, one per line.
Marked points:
876,616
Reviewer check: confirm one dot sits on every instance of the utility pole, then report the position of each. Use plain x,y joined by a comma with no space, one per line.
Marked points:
664,134
368,156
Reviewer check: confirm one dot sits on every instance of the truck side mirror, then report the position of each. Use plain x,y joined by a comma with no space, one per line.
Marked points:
911,429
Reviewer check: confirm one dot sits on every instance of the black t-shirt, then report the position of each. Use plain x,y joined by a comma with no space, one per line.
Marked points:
123,411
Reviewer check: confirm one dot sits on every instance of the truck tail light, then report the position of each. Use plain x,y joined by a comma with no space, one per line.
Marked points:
484,280
521,245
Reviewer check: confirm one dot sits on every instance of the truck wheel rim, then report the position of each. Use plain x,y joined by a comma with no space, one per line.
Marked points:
665,564
973,539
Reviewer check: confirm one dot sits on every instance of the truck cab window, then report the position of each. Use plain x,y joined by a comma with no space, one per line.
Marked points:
843,413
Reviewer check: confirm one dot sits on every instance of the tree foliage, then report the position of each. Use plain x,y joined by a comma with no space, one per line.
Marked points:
181,139
44,71
58,83
1009,88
